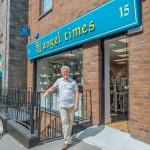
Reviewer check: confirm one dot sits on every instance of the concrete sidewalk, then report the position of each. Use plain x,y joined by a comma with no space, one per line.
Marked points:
111,139
93,138
8,143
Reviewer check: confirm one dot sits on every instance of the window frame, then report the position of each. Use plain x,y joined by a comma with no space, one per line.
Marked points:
42,7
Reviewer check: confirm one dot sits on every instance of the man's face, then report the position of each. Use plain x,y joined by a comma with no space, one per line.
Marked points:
65,74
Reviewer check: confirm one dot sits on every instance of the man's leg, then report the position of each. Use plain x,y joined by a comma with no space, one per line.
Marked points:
67,116
71,119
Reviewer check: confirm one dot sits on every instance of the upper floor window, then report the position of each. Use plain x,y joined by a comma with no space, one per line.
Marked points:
46,5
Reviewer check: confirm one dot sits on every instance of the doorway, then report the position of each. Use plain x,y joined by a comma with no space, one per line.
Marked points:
116,82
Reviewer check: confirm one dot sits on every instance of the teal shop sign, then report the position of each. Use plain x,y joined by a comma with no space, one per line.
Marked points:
113,17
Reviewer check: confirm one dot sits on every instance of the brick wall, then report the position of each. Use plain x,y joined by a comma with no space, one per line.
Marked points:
31,75
139,60
62,13
17,55
92,76
139,78
12,46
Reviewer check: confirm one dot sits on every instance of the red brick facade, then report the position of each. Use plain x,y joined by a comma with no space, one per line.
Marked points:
92,76
139,60
139,78
62,13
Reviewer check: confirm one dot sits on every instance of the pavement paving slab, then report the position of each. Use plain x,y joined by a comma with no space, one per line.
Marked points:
93,138
111,139
9,143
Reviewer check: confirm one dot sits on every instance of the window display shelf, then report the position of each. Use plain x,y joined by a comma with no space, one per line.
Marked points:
118,97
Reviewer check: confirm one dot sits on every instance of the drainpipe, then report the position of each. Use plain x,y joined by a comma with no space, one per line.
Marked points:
5,48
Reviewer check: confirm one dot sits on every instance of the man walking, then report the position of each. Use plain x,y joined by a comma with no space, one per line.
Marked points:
68,102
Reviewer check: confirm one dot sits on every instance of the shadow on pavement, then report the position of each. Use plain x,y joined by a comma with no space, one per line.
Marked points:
90,132
78,138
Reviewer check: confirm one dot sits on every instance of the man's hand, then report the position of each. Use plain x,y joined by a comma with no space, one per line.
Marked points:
51,89
75,107
45,95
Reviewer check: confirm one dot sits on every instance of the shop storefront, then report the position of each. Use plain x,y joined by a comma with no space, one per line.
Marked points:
48,71
99,47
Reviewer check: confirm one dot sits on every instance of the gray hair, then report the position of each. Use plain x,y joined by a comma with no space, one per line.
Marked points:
65,68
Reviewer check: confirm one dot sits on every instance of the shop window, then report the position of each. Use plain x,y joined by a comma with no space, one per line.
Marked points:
48,71
46,5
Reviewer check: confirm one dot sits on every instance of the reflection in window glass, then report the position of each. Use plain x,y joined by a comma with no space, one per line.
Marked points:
48,69
46,5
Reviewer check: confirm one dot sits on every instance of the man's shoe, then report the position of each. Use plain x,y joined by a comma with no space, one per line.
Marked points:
66,146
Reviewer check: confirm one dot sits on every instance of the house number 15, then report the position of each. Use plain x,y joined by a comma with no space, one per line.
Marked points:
124,11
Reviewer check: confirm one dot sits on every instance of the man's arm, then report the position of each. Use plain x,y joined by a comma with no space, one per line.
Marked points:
76,100
51,89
